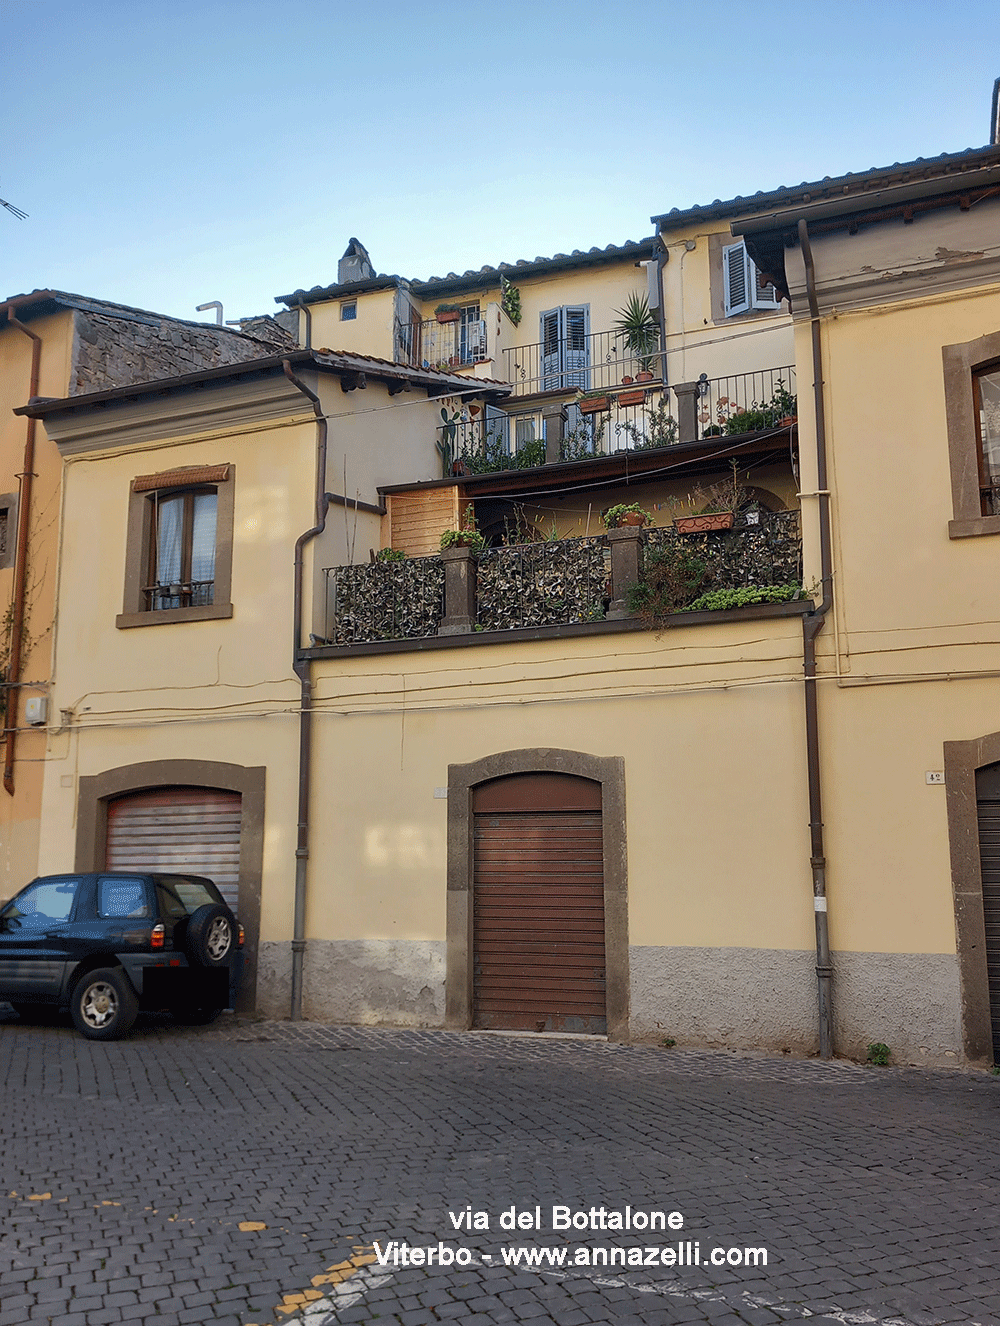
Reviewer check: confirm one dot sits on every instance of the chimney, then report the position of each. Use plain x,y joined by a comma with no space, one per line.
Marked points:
995,116
355,265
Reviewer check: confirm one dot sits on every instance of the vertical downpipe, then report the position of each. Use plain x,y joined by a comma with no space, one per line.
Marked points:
812,624
19,593
303,672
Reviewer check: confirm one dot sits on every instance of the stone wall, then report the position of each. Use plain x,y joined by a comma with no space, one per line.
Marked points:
118,349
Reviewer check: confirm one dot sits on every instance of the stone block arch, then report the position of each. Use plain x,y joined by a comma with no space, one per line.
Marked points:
92,828
609,771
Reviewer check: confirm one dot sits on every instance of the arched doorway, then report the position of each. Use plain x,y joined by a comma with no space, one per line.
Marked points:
538,904
190,830
988,817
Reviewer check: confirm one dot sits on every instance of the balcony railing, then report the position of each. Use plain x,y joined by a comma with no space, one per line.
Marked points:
562,582
441,345
191,594
635,418
746,402
584,363
384,600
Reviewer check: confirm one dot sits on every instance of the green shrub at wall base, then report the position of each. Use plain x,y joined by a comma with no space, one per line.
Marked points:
719,600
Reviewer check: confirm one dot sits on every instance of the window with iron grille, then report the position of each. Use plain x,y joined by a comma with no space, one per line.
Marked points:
8,528
972,406
179,550
986,386
182,549
472,335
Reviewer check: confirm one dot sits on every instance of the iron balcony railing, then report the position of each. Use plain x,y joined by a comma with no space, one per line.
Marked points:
441,345
584,363
548,583
633,418
746,402
191,594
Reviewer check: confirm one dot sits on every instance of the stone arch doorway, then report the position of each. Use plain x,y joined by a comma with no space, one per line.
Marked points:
538,904
465,800
97,793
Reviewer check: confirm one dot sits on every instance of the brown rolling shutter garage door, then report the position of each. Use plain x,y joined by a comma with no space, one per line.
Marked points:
988,808
178,830
538,896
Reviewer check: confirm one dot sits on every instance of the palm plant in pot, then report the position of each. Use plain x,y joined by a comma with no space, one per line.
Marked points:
638,326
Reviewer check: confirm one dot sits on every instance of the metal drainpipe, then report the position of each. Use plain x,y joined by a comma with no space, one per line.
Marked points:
302,671
660,257
812,624
20,563
309,325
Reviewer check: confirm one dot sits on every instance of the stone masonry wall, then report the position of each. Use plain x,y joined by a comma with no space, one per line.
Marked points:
118,350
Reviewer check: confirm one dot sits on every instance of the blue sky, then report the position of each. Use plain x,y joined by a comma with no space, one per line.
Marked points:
173,153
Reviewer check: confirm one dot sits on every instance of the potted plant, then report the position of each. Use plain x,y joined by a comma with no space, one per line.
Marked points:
593,402
716,506
638,325
510,300
625,513
466,536
448,312
634,397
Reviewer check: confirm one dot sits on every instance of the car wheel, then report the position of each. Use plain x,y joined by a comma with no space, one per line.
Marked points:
104,1005
190,1015
211,936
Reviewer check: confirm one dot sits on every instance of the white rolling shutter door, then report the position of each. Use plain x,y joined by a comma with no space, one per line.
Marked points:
178,830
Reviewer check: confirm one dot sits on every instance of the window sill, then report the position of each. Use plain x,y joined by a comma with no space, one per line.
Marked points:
973,527
204,613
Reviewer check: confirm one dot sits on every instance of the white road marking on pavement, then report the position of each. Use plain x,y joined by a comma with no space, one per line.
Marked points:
324,1311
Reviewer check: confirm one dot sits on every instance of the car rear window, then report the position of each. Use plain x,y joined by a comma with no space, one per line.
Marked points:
182,895
121,897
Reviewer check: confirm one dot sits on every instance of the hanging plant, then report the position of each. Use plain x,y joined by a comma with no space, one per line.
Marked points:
510,300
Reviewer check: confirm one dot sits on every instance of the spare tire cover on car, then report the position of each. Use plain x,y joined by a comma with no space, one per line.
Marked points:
210,935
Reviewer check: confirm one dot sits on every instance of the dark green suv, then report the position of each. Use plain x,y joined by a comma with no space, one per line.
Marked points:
108,944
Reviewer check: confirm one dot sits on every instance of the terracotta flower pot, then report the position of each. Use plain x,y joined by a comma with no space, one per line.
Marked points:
632,518
631,397
595,404
644,376
452,316
704,523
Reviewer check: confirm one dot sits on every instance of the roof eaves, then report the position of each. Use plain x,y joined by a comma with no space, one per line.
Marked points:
857,184
325,360
472,280
343,290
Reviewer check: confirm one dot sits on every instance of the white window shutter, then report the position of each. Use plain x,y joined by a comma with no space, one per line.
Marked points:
736,278
764,296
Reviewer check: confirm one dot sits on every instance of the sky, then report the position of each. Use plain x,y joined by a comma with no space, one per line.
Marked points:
181,151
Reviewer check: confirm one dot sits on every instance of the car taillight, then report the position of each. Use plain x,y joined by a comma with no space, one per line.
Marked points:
242,934
158,935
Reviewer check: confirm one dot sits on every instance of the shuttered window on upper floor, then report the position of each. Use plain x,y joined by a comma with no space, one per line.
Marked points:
743,284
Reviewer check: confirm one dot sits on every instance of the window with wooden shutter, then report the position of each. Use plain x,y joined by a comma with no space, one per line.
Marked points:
565,350
735,279
744,286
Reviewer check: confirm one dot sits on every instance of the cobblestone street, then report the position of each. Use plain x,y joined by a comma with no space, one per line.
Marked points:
243,1173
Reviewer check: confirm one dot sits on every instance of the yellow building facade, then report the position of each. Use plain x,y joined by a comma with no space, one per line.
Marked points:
467,782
